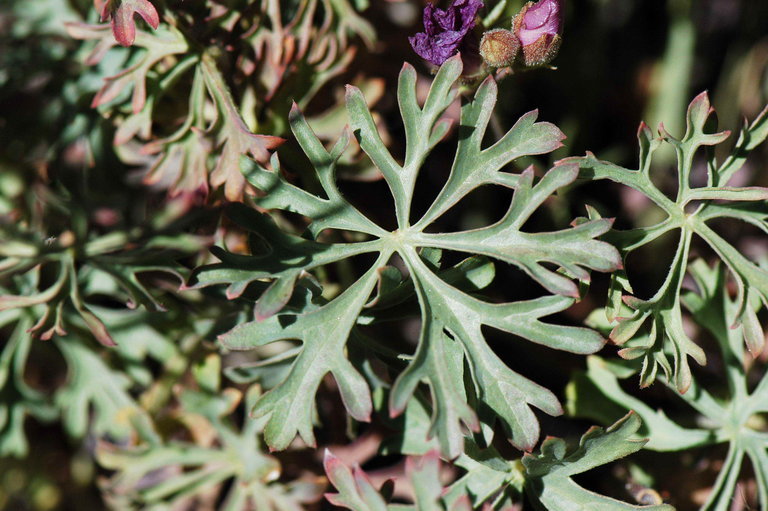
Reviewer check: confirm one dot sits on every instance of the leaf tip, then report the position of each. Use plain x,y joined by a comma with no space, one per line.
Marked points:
294,112
350,91
702,99
231,293
572,292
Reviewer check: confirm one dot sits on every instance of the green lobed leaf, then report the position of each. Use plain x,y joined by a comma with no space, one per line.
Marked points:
732,419
548,475
324,332
355,489
92,384
452,318
233,468
690,212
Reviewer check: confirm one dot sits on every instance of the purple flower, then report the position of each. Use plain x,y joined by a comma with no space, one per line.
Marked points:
444,30
538,27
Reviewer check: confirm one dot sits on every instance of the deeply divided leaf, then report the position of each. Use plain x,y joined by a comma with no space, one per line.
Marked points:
452,358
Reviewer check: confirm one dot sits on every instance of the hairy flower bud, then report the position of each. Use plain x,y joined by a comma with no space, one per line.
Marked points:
539,26
499,47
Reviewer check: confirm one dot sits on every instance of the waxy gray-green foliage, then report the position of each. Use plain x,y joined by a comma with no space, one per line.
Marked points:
170,415
496,483
452,309
452,317
734,419
692,212
80,248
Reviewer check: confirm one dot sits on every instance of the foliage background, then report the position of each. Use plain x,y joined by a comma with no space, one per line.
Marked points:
621,61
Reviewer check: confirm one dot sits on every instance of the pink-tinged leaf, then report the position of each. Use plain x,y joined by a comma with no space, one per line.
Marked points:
240,141
663,133
235,290
236,139
57,328
182,165
331,464
111,89
697,117
135,77
644,131
97,327
633,353
633,302
356,491
699,110
124,24
103,6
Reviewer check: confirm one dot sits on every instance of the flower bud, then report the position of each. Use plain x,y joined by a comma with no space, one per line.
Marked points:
499,47
539,26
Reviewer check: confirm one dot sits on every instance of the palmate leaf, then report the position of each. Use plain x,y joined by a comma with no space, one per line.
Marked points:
233,134
285,52
491,482
452,319
548,475
716,200
182,161
322,37
136,78
733,420
324,333
116,258
224,462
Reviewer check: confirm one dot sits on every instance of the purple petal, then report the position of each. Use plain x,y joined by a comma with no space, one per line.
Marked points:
429,23
543,18
444,30
446,19
468,10
436,49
